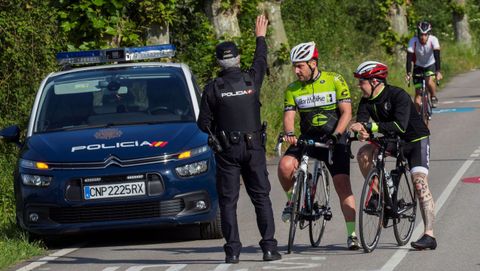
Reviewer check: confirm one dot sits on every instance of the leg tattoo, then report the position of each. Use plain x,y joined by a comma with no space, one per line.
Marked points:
427,206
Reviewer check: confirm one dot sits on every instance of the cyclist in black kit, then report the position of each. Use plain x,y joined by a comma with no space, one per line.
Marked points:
393,113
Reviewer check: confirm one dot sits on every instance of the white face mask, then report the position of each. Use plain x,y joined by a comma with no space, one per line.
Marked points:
229,63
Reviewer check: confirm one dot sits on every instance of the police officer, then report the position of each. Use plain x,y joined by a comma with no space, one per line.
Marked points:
230,109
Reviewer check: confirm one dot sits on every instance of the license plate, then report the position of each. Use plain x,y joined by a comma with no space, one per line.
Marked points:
114,190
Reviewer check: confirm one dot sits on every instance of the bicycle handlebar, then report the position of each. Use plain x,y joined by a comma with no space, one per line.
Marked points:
420,75
305,143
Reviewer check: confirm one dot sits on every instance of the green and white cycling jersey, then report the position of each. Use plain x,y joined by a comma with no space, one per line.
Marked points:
317,102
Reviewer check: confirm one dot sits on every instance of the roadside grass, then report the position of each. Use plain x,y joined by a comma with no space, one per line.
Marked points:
14,243
15,246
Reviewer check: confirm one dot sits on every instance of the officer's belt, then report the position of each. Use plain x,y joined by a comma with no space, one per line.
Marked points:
234,137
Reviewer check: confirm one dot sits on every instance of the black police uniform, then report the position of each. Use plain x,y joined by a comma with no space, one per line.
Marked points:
230,108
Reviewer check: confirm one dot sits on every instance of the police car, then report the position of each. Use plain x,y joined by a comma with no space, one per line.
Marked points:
115,146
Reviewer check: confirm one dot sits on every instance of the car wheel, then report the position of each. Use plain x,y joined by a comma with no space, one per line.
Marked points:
213,229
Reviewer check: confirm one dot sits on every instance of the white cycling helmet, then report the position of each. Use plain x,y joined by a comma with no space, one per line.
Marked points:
424,28
304,52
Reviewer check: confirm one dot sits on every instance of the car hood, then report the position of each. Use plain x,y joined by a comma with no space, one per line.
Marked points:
124,142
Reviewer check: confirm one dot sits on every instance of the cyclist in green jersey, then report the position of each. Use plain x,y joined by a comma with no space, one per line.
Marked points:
323,101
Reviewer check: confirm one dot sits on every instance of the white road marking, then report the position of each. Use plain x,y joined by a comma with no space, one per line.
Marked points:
222,267
460,101
402,251
290,264
171,267
51,257
111,268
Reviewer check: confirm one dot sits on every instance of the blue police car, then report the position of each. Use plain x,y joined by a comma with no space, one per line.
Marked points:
115,146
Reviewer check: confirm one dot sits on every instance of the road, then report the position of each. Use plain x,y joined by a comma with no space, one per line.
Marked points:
455,151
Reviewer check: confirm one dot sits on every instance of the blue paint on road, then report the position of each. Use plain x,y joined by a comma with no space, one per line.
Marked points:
453,110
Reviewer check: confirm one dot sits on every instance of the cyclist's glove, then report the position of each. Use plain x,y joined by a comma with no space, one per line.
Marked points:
367,126
333,138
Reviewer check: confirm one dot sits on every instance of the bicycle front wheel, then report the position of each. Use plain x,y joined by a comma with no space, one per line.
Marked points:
371,214
425,109
406,207
320,203
297,197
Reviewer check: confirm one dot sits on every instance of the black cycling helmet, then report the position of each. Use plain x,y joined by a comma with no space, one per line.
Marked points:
424,28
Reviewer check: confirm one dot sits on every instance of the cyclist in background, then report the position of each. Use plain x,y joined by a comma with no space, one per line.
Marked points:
393,113
323,101
424,51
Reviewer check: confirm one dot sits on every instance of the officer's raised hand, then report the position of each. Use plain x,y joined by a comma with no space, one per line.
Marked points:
261,26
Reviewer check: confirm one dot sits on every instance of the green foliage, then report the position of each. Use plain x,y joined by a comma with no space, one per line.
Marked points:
438,14
91,24
194,36
95,23
457,9
29,40
346,32
339,28
473,12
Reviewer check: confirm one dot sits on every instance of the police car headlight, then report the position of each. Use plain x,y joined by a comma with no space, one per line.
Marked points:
192,169
36,180
33,164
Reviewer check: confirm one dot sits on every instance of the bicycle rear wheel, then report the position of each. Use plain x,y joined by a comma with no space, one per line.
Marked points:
371,214
320,203
406,207
297,197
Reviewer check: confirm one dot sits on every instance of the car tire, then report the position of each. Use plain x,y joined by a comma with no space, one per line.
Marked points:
213,229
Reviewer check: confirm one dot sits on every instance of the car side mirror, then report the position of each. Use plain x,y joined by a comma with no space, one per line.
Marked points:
11,134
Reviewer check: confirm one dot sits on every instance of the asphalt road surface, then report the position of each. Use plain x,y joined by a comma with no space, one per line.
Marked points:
455,151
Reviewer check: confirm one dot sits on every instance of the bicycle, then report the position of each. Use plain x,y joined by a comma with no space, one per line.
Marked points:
310,195
426,107
379,202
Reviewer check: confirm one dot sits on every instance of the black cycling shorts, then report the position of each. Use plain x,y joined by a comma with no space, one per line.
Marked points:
340,157
417,154
427,71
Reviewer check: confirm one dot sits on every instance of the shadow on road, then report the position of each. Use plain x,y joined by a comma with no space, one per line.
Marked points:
125,237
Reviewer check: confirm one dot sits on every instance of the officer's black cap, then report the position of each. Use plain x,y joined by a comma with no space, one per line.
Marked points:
226,50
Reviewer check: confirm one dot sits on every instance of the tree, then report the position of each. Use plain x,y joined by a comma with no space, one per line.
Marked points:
156,16
398,22
224,17
460,21
277,40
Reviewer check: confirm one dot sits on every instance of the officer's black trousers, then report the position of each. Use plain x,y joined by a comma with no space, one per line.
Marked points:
251,165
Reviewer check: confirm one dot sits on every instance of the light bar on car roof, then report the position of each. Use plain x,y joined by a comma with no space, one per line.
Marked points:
117,54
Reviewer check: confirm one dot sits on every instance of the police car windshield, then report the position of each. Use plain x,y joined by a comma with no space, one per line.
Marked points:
114,96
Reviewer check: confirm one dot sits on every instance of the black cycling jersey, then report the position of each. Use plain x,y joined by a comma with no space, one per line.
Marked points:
393,112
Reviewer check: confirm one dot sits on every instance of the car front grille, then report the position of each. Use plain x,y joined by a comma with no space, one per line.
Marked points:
65,215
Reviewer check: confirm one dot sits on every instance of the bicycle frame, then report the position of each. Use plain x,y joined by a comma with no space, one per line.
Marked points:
399,205
426,104
303,167
305,208
379,163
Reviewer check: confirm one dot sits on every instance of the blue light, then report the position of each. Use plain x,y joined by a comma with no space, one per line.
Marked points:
117,54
